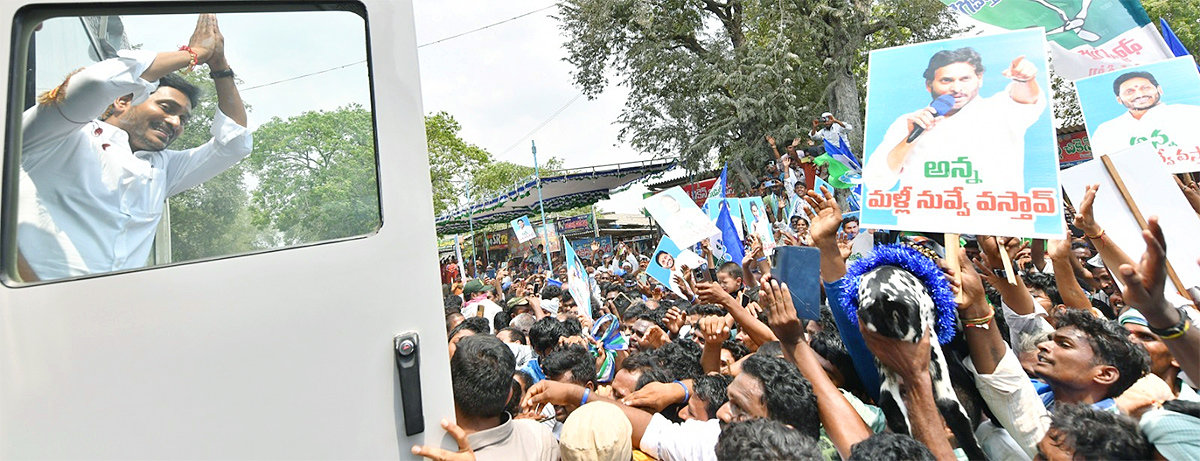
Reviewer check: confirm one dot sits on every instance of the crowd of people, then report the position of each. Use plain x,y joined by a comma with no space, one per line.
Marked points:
1053,359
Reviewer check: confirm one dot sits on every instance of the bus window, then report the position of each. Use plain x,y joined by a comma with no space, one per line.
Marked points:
156,137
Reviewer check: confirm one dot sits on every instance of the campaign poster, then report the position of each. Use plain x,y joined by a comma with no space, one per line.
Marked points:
712,208
668,260
1087,37
1155,193
679,217
960,138
754,214
578,281
1156,104
523,229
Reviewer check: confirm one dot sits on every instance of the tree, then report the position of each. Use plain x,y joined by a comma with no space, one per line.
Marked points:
450,159
317,175
1183,17
211,219
707,76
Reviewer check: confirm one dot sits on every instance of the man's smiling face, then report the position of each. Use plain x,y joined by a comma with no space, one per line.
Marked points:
1139,94
959,80
156,123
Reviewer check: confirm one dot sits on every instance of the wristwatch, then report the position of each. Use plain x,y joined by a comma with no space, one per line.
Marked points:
1173,331
221,74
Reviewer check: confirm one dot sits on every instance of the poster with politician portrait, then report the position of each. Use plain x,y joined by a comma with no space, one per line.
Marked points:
679,217
523,229
1156,104
959,138
667,262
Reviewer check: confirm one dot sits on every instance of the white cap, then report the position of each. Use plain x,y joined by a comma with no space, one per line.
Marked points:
827,114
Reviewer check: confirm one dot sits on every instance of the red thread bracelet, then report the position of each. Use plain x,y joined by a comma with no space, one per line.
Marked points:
195,57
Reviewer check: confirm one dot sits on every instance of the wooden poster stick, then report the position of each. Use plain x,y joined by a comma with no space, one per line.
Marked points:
1137,214
952,247
1007,260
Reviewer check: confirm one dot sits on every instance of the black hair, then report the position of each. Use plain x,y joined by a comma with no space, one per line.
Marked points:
501,318
828,344
652,375
639,361
660,253
787,394
544,334
712,390
524,377
453,302
1110,345
479,325
173,80
1130,76
1046,283
481,372
551,292
635,310
736,348
731,268
681,359
947,57
1095,434
449,328
763,439
705,309
572,327
770,348
516,335
573,358
848,220
888,446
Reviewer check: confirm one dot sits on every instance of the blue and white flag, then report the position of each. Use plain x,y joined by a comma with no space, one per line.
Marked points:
718,188
842,154
727,245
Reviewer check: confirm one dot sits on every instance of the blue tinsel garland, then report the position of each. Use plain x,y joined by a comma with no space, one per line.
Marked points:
912,261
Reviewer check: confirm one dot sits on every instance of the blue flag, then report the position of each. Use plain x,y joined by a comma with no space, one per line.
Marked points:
718,188
729,235
1173,42
842,154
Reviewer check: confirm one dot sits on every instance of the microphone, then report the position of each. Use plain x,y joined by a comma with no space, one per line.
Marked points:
940,106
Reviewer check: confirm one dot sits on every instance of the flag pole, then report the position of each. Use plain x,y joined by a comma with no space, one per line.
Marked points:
538,175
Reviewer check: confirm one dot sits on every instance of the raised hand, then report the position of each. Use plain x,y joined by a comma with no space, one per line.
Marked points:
464,452
674,318
781,312
1084,219
207,41
771,140
824,216
1021,70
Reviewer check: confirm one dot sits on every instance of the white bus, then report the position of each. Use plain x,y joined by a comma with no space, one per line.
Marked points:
282,346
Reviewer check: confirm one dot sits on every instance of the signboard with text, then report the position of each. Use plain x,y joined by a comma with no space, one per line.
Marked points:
575,225
1073,149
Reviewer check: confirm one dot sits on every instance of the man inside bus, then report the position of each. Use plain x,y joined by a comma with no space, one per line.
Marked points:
95,167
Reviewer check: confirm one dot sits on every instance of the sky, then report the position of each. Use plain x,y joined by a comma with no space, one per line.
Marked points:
501,83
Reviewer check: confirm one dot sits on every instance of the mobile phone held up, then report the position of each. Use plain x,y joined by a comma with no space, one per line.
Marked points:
800,268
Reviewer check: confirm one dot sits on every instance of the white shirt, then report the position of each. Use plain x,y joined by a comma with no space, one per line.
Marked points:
832,134
490,309
98,203
987,132
691,440
1017,407
1169,127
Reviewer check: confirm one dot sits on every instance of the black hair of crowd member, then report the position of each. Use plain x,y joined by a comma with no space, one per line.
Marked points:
635,310
947,57
639,361
544,334
681,359
515,334
828,344
763,439
453,303
481,373
731,269
573,358
1046,283
501,319
1111,345
526,379
736,348
1094,434
787,394
653,374
712,390
1104,308
513,406
889,446
705,309
771,348
551,292
479,325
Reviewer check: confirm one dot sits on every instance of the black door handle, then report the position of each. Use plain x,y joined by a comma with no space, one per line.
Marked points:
408,364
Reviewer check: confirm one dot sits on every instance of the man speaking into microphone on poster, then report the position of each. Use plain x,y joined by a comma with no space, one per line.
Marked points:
959,126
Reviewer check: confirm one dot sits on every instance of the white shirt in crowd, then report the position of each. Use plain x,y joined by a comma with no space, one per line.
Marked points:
97,202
